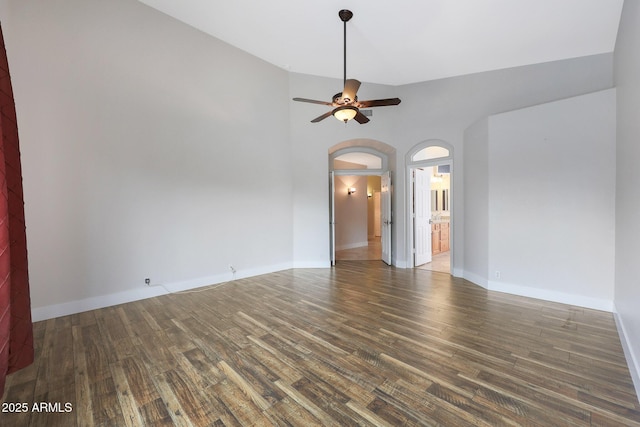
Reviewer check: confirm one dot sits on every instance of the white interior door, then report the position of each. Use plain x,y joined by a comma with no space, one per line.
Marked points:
385,216
332,218
421,216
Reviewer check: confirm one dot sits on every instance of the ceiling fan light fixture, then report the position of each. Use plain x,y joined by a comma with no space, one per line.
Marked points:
345,113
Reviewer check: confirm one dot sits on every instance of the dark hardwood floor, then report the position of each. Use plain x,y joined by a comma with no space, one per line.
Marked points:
359,344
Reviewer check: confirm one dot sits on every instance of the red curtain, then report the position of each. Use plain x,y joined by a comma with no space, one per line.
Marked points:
16,329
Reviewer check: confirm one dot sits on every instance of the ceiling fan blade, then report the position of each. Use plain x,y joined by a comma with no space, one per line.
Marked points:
350,89
378,102
312,101
361,118
322,117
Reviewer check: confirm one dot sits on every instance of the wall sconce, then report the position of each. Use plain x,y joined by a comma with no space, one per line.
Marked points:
351,190
369,195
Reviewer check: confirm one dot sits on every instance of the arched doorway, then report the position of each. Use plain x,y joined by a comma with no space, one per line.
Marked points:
429,172
359,178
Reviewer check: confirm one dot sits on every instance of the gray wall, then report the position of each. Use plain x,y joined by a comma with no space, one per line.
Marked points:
350,211
149,149
443,109
551,185
476,202
539,201
440,109
627,80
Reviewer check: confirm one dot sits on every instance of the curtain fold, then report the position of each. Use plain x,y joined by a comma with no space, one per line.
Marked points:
16,329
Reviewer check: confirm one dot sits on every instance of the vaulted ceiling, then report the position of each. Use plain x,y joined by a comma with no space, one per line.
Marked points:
405,41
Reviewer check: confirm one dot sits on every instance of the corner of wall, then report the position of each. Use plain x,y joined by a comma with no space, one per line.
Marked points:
627,345
475,279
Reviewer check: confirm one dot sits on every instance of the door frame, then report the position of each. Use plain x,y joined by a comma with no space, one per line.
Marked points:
332,217
410,165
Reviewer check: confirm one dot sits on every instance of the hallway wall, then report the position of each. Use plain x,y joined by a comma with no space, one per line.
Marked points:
350,212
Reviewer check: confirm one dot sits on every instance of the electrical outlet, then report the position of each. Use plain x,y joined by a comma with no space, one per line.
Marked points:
497,274
147,281
233,270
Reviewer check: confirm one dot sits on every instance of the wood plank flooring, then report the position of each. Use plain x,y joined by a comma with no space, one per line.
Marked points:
371,252
359,344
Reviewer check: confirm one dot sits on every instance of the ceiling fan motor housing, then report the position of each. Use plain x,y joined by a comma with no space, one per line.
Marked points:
339,100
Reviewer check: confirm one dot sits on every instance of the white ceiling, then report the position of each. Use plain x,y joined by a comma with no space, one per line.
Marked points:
405,41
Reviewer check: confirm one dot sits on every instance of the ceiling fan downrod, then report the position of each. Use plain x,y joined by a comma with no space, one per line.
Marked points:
345,15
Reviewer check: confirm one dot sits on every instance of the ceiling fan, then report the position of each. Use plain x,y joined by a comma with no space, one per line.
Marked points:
345,104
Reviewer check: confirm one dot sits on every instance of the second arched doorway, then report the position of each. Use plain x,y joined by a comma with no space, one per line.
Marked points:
429,174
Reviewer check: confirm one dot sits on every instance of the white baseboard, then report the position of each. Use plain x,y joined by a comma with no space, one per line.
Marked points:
633,360
102,301
399,263
312,264
352,246
475,279
92,303
543,294
457,272
548,295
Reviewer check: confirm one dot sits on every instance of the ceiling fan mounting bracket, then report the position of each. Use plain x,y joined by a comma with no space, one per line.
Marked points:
345,15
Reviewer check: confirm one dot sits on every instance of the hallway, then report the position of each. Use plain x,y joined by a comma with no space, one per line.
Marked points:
373,251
